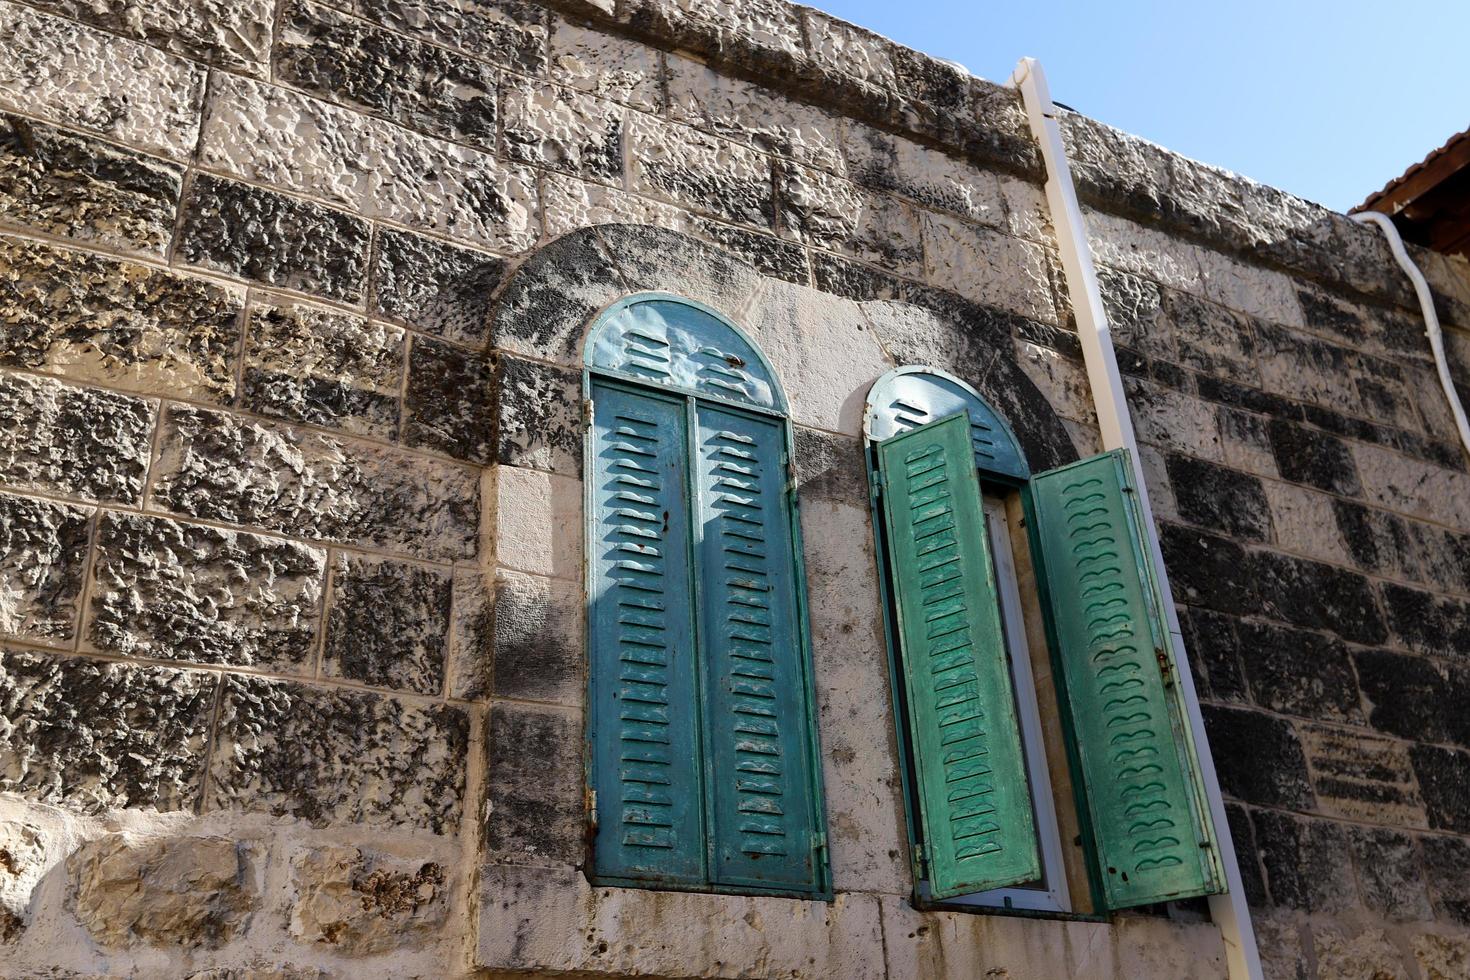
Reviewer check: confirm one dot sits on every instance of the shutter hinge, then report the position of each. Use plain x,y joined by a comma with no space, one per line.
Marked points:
819,842
587,410
1165,671
880,484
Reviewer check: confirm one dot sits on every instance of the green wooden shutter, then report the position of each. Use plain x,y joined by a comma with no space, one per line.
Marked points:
644,730
978,825
1151,828
760,785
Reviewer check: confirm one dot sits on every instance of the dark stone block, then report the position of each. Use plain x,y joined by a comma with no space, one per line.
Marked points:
1307,862
538,638
333,757
536,809
1235,395
1444,778
1258,758
830,467
770,256
539,418
73,442
1210,571
388,625
1447,863
171,591
1173,376
1040,430
1349,427
435,287
449,405
95,736
1414,697
43,551
554,296
1213,340
1428,623
256,234
658,259
700,172
511,33
77,187
1315,596
1059,339
842,277
1443,556
1314,458
1378,541
1299,673
1390,875
1220,499
1247,855
1210,638
416,85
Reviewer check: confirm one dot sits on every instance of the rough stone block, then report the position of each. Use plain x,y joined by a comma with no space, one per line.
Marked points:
769,256
512,33
1214,654
224,468
1306,368
1380,542
1061,379
1299,673
1209,571
665,261
234,34
24,851
117,324
1144,251
538,522
1314,458
311,364
1447,864
539,418
824,210
539,630
569,204
1365,954
1390,876
433,286
1258,758
564,129
449,403
606,65
1243,838
1279,941
1245,442
539,919
1412,486
170,591
1361,777
858,53
388,625
360,903
547,307
73,442
536,795
334,756
72,186
1441,957
1428,623
700,172
255,234
417,85
929,177
830,468
60,70
1315,596
1220,499
1173,420
1415,698
1135,308
1212,339
988,267
1263,293
472,636
98,737
1444,778
1307,862
43,547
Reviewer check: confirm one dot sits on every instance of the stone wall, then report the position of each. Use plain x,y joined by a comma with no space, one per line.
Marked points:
291,296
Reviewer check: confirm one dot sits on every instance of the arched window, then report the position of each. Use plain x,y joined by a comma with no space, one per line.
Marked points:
702,743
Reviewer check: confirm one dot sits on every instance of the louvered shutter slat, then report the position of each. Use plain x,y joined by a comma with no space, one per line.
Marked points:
1153,838
978,823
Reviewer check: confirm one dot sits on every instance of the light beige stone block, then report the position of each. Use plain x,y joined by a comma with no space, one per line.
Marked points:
988,267
538,522
569,204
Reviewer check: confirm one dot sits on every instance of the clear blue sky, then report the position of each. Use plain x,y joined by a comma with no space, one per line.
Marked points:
1327,100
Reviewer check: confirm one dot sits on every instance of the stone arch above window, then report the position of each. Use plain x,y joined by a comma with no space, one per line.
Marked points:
659,339
908,397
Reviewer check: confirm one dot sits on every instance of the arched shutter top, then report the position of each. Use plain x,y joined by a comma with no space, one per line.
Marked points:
680,344
908,397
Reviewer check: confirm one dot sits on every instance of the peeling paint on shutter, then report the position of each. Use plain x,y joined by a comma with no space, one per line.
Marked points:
644,726
1153,837
759,774
978,824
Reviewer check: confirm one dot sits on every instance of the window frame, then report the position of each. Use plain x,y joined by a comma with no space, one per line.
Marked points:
822,887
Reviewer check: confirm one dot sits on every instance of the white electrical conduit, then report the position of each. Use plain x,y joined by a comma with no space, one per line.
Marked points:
1431,318
1229,910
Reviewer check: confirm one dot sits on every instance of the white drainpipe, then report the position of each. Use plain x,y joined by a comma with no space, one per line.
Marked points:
1229,910
1431,318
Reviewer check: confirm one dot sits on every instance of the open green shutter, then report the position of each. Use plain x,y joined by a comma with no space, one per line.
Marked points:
763,809
644,730
1151,828
979,828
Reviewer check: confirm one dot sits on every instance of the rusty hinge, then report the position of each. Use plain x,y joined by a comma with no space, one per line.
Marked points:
1165,669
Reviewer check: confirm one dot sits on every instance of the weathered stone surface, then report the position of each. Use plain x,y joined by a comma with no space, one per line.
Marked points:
61,70
1214,656
894,165
254,234
1258,758
1362,955
170,591
565,130
769,256
1441,957
1243,839
98,737
988,267
1444,778
607,65
1447,864
224,468
538,522
536,807
234,34
1378,541
824,210
569,204
117,324
23,851
1209,571
1263,293
1061,379
1121,244
332,757
700,172
433,286
1212,339
472,636
1428,623
358,903
73,442
539,416
1245,442
512,33
552,919
1135,308
548,306
42,550
1299,673
1315,458
196,892
59,183
1361,777
1220,499
449,403
862,54
417,85
307,363
830,467
1415,698
1306,861
1410,486
539,626
1390,877
1312,595
664,261
388,625
1279,941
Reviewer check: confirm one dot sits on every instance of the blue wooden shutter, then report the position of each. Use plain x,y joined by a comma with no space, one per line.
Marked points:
644,731
763,811
1151,828
975,805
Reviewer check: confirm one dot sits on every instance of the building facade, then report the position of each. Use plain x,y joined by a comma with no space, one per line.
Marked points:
460,499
